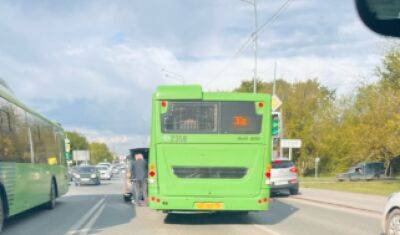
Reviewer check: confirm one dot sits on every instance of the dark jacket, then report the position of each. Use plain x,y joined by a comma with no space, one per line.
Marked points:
139,169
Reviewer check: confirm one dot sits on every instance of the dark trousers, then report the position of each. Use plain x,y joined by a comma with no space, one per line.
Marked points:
140,190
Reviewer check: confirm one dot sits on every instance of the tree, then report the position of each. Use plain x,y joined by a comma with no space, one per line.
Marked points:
389,71
361,127
99,152
78,141
307,112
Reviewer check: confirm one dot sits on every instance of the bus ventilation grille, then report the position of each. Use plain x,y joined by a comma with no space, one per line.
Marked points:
210,172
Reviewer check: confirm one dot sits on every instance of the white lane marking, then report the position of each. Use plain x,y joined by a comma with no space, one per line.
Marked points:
266,229
79,224
85,230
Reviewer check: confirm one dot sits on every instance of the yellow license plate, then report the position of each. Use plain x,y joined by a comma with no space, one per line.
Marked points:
208,205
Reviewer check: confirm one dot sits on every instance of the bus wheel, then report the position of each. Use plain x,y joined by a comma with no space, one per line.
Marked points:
52,203
2,214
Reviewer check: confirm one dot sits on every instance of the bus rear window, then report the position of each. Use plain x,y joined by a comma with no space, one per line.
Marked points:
190,117
211,118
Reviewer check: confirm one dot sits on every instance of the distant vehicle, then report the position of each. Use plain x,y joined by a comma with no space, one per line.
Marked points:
86,175
210,151
107,164
33,169
363,171
115,170
105,172
391,215
284,177
70,173
126,175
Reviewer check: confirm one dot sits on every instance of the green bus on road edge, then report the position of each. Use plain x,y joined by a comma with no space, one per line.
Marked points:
209,151
33,169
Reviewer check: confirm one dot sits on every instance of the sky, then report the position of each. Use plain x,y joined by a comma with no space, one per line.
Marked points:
93,65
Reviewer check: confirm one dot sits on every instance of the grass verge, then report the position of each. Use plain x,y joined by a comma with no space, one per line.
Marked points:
382,187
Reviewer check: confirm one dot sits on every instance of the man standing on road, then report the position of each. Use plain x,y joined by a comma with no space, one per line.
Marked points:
139,175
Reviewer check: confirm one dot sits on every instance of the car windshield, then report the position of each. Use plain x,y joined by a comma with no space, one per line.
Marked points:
86,169
281,164
102,168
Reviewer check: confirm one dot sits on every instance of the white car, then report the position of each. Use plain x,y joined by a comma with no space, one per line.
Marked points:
105,172
391,215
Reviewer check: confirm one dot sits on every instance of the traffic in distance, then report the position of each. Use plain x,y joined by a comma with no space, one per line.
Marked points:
214,162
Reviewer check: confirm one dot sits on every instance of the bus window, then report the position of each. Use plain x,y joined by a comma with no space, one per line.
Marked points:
7,147
190,117
211,118
240,118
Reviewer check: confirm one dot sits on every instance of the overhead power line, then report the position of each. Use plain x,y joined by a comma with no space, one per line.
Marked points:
247,43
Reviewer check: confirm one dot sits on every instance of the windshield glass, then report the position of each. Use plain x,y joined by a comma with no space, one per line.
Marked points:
281,164
86,169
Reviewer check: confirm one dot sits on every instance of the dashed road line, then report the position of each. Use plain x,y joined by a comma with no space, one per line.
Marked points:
75,229
85,230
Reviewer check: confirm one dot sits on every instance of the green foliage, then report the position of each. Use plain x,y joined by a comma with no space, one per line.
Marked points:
362,127
78,141
99,152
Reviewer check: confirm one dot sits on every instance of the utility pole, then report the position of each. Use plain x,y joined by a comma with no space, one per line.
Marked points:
255,41
274,83
255,38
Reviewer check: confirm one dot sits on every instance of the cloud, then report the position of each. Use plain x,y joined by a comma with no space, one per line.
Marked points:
93,65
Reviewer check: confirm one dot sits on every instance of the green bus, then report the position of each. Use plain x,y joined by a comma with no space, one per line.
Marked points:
33,169
209,151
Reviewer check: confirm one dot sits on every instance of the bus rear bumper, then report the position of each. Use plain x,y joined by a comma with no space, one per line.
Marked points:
209,204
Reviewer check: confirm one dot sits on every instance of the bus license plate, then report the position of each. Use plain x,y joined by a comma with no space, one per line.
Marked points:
208,205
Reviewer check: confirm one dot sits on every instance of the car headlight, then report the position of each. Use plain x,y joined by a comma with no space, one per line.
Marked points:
93,175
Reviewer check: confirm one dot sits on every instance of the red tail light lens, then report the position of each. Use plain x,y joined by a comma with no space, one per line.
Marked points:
268,171
152,173
260,104
164,103
293,169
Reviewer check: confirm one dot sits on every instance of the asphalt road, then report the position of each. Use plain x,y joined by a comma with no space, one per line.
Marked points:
101,210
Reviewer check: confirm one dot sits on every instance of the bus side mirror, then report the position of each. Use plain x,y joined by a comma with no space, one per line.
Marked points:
381,16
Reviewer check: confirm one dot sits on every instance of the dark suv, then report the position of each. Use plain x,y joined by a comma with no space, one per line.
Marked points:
363,171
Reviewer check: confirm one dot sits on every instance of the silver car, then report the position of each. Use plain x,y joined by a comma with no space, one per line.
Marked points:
391,215
284,177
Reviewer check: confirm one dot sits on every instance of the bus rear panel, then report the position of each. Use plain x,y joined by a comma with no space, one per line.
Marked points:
209,151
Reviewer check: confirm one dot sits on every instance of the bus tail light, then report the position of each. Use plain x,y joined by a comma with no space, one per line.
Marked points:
268,174
155,199
263,200
152,170
164,103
